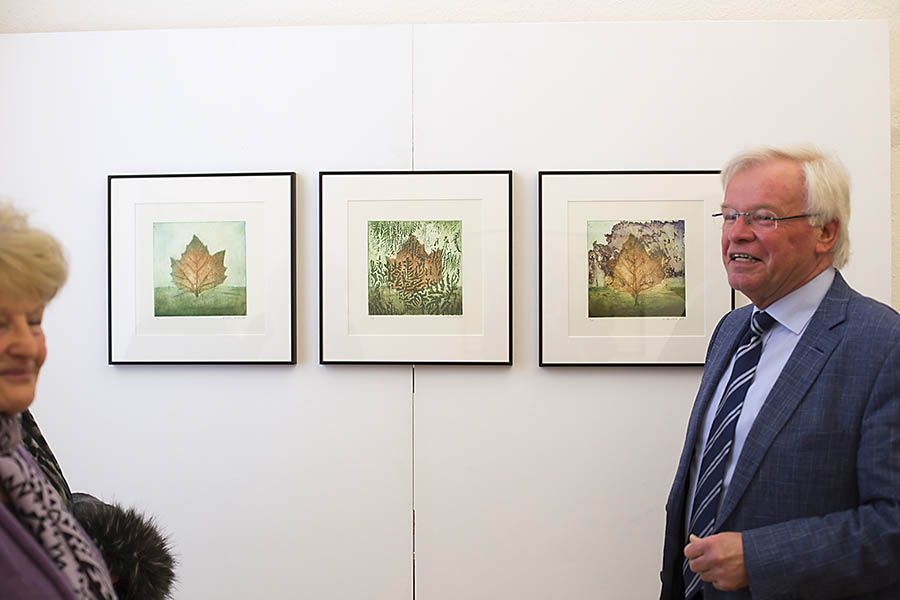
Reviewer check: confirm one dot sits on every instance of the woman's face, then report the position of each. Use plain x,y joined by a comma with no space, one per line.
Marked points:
22,352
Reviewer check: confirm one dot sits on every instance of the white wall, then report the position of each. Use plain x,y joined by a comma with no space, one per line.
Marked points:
271,480
65,15
292,482
547,483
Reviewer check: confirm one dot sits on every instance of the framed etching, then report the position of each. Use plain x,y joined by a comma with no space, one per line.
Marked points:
630,268
415,267
202,268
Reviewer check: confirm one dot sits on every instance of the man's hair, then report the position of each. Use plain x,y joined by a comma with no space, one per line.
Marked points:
825,180
32,263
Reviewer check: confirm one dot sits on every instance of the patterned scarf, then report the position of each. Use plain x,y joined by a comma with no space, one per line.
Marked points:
41,510
40,451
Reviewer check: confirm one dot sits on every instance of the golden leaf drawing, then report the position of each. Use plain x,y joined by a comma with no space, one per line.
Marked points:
197,271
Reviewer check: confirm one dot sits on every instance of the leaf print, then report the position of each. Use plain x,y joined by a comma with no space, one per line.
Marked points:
197,271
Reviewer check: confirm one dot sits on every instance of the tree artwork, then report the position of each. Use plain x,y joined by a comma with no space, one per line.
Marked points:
189,280
415,267
636,268
197,271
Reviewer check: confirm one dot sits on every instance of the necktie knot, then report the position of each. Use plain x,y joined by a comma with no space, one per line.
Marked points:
762,322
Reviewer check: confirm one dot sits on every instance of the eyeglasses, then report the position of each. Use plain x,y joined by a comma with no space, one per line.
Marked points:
761,219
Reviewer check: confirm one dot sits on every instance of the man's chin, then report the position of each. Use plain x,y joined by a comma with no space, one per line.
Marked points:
741,284
736,282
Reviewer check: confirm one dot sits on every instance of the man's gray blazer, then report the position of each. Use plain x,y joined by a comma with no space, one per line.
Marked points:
816,489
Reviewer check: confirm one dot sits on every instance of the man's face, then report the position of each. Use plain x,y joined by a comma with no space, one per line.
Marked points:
767,264
22,352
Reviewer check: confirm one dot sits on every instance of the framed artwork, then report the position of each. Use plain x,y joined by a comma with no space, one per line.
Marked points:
630,268
415,267
202,268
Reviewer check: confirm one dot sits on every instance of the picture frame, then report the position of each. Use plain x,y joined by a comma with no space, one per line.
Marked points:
630,267
415,267
202,268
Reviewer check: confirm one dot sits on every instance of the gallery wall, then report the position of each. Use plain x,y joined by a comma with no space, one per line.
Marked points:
300,481
22,16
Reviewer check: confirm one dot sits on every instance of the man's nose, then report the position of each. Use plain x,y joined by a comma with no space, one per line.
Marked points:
741,228
23,342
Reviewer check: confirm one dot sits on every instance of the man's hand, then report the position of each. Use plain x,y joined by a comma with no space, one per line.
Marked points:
719,559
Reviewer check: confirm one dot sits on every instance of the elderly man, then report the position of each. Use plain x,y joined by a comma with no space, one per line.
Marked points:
788,484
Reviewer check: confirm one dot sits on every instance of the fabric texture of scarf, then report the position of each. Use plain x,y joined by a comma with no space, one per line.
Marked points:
42,511
39,449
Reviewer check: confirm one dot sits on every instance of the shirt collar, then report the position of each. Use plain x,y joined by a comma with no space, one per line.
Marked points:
796,309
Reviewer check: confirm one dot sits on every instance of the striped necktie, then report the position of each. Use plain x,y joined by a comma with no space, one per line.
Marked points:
721,439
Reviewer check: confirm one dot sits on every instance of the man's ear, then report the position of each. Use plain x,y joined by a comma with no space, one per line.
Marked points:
827,236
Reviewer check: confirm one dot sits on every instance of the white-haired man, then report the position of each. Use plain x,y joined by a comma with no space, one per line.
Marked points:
788,485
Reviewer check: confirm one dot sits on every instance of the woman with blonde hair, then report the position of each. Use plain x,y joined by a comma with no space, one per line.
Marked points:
44,552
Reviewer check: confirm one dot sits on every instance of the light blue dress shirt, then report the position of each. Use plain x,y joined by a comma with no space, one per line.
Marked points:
792,314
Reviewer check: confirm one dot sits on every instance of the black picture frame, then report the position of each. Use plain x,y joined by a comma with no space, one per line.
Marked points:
575,328
351,330
151,320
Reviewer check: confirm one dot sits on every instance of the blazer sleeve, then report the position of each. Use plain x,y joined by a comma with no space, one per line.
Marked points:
854,551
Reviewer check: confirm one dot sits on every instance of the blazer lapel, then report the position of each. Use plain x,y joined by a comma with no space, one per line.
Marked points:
724,346
802,368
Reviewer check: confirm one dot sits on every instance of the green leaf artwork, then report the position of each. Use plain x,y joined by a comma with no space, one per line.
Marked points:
415,268
635,269
188,280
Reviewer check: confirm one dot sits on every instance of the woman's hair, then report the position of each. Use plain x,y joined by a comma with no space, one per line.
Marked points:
826,182
32,264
